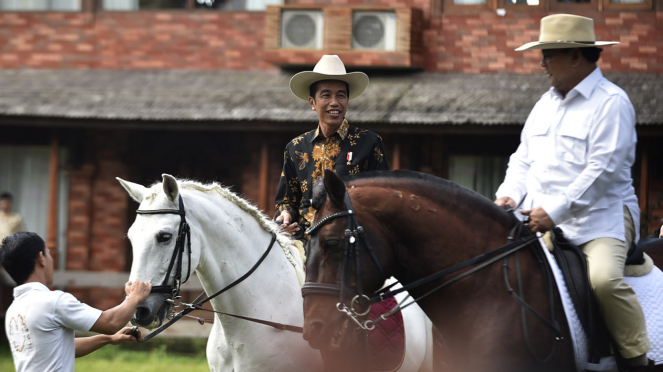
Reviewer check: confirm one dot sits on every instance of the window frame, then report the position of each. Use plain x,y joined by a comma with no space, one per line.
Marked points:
646,5
554,5
543,6
450,7
86,6
190,7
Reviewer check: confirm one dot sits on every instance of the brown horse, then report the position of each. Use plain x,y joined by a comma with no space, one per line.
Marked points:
419,225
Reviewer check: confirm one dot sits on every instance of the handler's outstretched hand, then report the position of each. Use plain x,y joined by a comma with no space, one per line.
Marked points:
125,334
539,221
138,289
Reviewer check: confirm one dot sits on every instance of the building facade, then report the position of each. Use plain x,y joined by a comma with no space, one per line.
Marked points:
91,90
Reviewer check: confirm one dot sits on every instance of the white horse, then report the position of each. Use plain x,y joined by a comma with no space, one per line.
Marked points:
228,236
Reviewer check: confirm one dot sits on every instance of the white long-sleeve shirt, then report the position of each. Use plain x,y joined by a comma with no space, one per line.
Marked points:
575,158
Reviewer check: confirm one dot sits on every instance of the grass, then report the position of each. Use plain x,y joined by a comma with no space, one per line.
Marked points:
131,357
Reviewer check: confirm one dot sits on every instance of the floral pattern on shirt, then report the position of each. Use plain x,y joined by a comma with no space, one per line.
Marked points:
350,150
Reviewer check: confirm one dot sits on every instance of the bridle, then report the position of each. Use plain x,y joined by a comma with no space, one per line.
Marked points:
355,237
184,234
518,239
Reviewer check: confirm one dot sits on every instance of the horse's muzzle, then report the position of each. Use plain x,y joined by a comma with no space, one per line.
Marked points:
151,313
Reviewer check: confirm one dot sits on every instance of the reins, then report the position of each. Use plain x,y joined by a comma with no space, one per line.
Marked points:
197,304
354,232
351,250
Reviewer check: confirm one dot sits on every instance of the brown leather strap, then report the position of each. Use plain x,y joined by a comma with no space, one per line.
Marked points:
281,326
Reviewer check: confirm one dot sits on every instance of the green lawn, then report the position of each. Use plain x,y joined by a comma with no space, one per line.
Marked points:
124,359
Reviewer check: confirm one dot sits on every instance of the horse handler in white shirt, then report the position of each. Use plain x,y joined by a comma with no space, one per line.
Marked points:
573,170
40,323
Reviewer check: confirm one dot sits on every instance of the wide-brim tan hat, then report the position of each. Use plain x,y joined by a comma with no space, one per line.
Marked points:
566,31
330,67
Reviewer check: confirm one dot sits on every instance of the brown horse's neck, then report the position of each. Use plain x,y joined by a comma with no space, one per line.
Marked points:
429,231
429,225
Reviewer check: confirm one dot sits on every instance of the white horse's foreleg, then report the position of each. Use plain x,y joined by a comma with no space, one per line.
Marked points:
215,348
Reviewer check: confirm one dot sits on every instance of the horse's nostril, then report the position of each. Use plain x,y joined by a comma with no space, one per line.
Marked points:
141,313
314,331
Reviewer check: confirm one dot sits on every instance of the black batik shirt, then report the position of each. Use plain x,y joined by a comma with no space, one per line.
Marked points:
349,150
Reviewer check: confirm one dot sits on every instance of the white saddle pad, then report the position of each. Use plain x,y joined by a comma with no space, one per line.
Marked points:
648,288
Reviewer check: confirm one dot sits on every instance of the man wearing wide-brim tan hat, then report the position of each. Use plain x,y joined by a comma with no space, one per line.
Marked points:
333,145
573,170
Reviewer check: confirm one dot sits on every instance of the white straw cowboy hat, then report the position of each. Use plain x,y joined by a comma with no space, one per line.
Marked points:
330,67
566,31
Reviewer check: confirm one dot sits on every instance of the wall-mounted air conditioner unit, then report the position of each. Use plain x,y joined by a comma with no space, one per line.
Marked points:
374,30
302,29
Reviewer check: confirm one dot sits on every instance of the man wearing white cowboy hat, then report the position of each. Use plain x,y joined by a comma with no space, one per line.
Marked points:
573,170
334,144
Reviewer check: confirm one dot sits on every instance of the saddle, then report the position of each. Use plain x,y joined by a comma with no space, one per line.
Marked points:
386,343
573,264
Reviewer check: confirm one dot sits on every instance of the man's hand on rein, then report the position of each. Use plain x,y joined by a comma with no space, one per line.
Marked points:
504,201
539,221
287,226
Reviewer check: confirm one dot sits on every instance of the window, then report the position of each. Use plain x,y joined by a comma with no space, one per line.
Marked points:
254,5
468,6
518,5
24,172
572,5
219,4
260,5
627,4
483,174
143,4
40,5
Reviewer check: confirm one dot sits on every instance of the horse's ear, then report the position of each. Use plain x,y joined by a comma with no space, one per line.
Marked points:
170,187
335,188
319,194
136,191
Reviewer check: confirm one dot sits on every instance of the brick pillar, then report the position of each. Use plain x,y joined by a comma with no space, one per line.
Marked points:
109,214
98,214
80,222
80,207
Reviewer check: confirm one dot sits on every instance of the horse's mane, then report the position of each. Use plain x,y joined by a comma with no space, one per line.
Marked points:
286,243
439,190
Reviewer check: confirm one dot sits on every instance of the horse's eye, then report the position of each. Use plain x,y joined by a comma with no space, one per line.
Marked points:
330,244
164,237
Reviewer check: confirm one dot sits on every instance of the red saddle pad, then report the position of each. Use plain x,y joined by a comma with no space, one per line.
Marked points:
386,343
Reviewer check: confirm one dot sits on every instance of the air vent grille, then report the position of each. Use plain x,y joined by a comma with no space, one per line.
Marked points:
301,29
374,31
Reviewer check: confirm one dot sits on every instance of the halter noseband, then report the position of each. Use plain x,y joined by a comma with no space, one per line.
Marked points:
353,233
183,234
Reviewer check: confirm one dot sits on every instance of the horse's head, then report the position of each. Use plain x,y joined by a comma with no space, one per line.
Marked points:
325,327
153,238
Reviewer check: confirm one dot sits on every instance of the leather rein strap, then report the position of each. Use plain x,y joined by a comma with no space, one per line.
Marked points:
280,326
197,304
484,260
